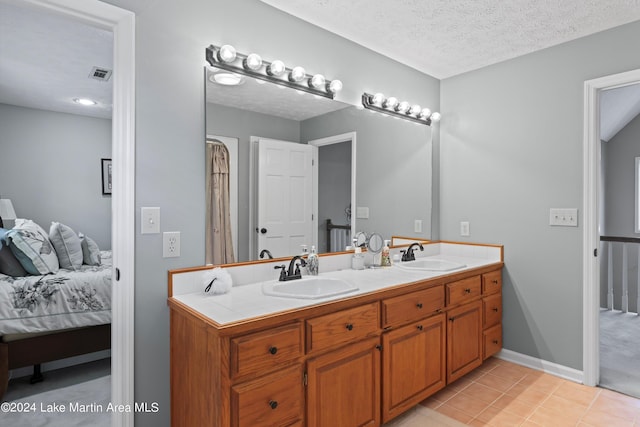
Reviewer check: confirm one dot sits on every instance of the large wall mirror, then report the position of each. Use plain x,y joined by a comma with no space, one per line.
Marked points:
295,159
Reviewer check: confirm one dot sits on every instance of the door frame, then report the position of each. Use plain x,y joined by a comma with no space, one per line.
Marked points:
590,202
334,139
121,23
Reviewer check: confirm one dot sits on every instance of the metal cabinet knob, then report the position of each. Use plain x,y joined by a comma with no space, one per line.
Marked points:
273,404
273,350
419,305
420,327
349,326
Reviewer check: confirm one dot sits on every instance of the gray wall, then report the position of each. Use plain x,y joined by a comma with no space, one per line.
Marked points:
618,157
334,188
511,149
242,124
393,169
171,38
51,169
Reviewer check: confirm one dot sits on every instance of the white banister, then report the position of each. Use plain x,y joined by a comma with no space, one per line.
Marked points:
625,280
609,275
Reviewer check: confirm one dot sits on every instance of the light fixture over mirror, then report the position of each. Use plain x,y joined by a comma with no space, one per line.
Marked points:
390,106
227,58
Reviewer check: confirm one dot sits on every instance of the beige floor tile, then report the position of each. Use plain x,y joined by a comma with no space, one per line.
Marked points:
454,413
608,419
500,418
545,383
552,418
511,372
529,423
478,423
577,392
621,406
626,400
563,405
515,406
495,382
531,396
430,403
482,392
461,384
444,395
467,404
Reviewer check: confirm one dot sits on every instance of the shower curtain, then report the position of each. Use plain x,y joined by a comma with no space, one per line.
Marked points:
219,244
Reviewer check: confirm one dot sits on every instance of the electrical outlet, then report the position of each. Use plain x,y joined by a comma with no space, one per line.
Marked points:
170,244
464,228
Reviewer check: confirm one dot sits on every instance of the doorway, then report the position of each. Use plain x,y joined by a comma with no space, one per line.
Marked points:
591,205
122,24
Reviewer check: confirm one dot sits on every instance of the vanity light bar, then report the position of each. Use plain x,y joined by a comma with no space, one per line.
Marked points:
225,57
391,106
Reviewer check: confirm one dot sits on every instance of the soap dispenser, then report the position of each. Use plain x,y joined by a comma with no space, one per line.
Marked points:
385,258
312,262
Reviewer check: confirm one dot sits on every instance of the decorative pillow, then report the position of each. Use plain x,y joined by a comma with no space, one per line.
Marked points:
67,245
9,264
90,250
31,245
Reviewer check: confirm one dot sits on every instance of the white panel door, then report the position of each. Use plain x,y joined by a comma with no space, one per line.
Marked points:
284,197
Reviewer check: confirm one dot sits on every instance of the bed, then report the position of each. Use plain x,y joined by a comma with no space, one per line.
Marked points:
52,316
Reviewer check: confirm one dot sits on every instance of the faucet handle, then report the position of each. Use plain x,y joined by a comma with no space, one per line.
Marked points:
283,273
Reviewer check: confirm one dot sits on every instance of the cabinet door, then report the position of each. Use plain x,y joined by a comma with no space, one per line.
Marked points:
464,340
413,365
344,387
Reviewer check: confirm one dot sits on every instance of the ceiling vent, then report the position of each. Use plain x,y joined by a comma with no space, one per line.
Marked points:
100,73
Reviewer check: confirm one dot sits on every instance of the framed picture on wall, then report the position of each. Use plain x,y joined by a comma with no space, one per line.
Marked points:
107,181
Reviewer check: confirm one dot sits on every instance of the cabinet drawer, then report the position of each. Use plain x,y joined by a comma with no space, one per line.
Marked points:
492,341
274,400
414,306
492,282
463,290
341,327
491,310
266,350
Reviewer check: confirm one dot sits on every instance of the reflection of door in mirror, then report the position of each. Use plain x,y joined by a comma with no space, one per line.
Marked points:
283,196
221,200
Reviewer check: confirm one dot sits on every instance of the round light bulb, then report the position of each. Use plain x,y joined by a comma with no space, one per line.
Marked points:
425,113
84,101
335,86
402,107
297,74
415,109
227,53
276,68
390,103
253,62
377,99
435,117
317,81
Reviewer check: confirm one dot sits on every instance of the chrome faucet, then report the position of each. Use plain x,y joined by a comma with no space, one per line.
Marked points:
265,252
408,255
293,272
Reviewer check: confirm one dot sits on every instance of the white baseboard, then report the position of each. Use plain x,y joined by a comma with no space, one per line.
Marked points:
62,363
542,365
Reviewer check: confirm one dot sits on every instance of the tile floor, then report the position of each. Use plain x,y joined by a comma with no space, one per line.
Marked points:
501,393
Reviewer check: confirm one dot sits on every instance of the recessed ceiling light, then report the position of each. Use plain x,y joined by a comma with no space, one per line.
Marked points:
84,101
227,79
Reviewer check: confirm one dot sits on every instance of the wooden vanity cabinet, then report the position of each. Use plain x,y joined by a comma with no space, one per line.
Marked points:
354,362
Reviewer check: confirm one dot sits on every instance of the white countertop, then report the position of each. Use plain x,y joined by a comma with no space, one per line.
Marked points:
247,301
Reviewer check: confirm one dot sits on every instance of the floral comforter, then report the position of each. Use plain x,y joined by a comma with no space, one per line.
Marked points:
67,299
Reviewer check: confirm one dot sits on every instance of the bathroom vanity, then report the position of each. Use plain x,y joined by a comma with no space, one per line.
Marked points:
358,359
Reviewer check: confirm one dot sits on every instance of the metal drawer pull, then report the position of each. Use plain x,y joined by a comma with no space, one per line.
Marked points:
419,305
494,281
273,350
420,327
495,342
467,291
273,404
349,326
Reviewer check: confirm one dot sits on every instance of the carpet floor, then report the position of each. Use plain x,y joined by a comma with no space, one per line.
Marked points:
620,352
78,405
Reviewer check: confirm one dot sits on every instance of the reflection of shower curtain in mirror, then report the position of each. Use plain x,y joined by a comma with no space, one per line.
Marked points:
219,244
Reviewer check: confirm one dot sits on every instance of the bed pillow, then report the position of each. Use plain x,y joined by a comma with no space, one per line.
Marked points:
31,246
9,264
90,250
67,245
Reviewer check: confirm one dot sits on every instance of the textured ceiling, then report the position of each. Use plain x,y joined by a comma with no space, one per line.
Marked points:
46,59
447,37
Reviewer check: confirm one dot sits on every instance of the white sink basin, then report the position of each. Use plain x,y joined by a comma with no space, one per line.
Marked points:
430,264
309,287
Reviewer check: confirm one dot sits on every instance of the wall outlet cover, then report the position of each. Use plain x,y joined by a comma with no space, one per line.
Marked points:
171,244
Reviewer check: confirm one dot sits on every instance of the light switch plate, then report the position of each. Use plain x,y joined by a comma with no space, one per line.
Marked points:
150,221
564,217
417,226
464,228
362,212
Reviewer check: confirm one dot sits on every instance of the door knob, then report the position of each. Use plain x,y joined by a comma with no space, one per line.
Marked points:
263,230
